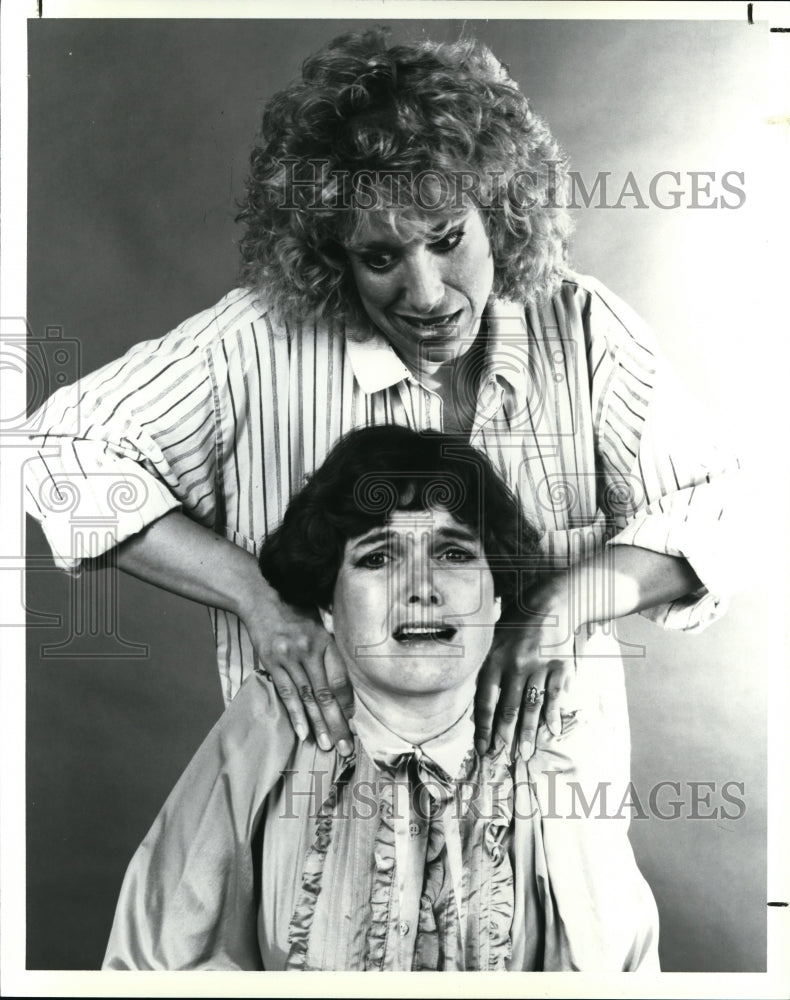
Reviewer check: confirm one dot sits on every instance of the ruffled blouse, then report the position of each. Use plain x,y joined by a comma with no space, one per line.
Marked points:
272,854
408,866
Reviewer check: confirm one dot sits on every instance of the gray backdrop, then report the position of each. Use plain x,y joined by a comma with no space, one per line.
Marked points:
138,138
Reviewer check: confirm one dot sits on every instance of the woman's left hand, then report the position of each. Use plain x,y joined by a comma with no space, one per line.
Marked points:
529,672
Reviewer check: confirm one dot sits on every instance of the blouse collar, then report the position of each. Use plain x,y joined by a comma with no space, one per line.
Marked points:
448,749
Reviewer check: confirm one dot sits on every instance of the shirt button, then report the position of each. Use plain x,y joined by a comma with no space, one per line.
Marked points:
403,927
414,829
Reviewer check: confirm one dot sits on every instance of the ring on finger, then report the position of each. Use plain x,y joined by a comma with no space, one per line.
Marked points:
533,695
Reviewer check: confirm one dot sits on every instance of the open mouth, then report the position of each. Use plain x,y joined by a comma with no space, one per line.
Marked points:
445,322
424,633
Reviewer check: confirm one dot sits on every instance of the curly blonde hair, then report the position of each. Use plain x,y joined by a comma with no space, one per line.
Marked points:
365,117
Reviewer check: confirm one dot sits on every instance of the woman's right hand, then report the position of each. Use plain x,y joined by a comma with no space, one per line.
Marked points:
189,559
302,661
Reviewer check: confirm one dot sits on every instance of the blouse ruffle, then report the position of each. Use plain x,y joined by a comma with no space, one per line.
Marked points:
482,904
304,911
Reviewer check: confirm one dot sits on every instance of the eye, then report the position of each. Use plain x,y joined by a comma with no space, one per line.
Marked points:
457,553
380,261
449,241
374,560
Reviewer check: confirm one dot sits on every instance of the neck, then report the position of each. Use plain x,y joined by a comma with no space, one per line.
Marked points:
417,718
441,378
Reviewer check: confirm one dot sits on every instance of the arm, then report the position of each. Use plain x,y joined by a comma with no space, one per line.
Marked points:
669,495
621,580
125,445
187,559
672,482
129,457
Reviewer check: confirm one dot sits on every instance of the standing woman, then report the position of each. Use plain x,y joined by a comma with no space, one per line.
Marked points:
404,262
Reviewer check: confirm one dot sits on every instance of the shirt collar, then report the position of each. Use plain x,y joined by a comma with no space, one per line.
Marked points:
376,365
373,360
448,749
508,345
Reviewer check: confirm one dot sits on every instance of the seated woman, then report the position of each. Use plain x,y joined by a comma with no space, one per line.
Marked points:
416,852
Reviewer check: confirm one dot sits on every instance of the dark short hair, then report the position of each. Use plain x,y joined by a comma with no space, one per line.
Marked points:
447,109
374,471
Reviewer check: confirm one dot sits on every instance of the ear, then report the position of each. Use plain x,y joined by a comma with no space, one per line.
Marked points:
328,619
497,609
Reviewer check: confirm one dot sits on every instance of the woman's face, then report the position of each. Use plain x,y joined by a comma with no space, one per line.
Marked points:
426,295
413,609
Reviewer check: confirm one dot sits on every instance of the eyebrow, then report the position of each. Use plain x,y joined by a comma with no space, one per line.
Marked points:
373,245
372,537
444,534
382,243
460,534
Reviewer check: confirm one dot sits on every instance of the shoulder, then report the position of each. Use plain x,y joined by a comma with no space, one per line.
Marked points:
604,315
244,315
604,300
245,752
240,310
203,331
257,718
220,340
253,747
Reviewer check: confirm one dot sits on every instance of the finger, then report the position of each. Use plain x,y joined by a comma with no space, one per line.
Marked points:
289,696
326,700
509,708
485,701
555,687
322,696
344,696
337,732
337,676
287,655
531,706
293,656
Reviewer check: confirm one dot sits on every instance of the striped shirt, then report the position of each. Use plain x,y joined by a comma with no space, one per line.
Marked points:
224,416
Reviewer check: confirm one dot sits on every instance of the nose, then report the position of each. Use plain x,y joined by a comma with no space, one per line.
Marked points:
430,598
421,586
424,289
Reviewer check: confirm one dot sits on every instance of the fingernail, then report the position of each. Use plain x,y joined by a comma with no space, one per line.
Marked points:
324,741
301,732
344,748
527,749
